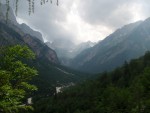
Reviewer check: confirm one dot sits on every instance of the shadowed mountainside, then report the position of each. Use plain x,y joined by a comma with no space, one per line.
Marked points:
126,43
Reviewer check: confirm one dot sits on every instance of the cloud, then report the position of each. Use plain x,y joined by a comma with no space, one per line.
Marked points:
82,20
44,19
111,13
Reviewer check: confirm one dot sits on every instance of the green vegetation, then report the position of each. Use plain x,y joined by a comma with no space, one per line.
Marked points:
54,75
14,78
124,90
48,73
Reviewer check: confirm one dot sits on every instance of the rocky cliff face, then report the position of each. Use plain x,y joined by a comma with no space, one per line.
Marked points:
26,29
12,20
12,36
40,49
11,33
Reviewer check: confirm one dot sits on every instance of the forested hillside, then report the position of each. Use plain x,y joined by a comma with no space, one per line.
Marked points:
124,90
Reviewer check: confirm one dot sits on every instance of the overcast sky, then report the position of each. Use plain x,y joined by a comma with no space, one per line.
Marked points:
82,20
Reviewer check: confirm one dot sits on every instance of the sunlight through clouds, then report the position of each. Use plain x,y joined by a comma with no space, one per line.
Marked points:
83,31
81,21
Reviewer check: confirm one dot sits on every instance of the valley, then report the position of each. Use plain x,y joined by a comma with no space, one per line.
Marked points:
65,66
46,62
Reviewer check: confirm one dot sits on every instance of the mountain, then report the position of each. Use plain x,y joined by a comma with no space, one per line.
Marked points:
67,50
11,35
126,43
25,28
81,47
62,47
51,73
11,16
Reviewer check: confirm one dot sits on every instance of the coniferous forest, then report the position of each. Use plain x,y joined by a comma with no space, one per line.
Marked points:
124,90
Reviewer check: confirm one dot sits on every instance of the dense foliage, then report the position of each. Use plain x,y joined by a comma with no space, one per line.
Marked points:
124,90
14,78
49,75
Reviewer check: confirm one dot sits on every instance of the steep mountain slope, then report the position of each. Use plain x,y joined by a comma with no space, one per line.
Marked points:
11,17
62,47
126,43
51,73
9,36
81,47
26,29
67,50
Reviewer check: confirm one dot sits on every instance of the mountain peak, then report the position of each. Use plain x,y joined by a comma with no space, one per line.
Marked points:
130,41
28,30
12,20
